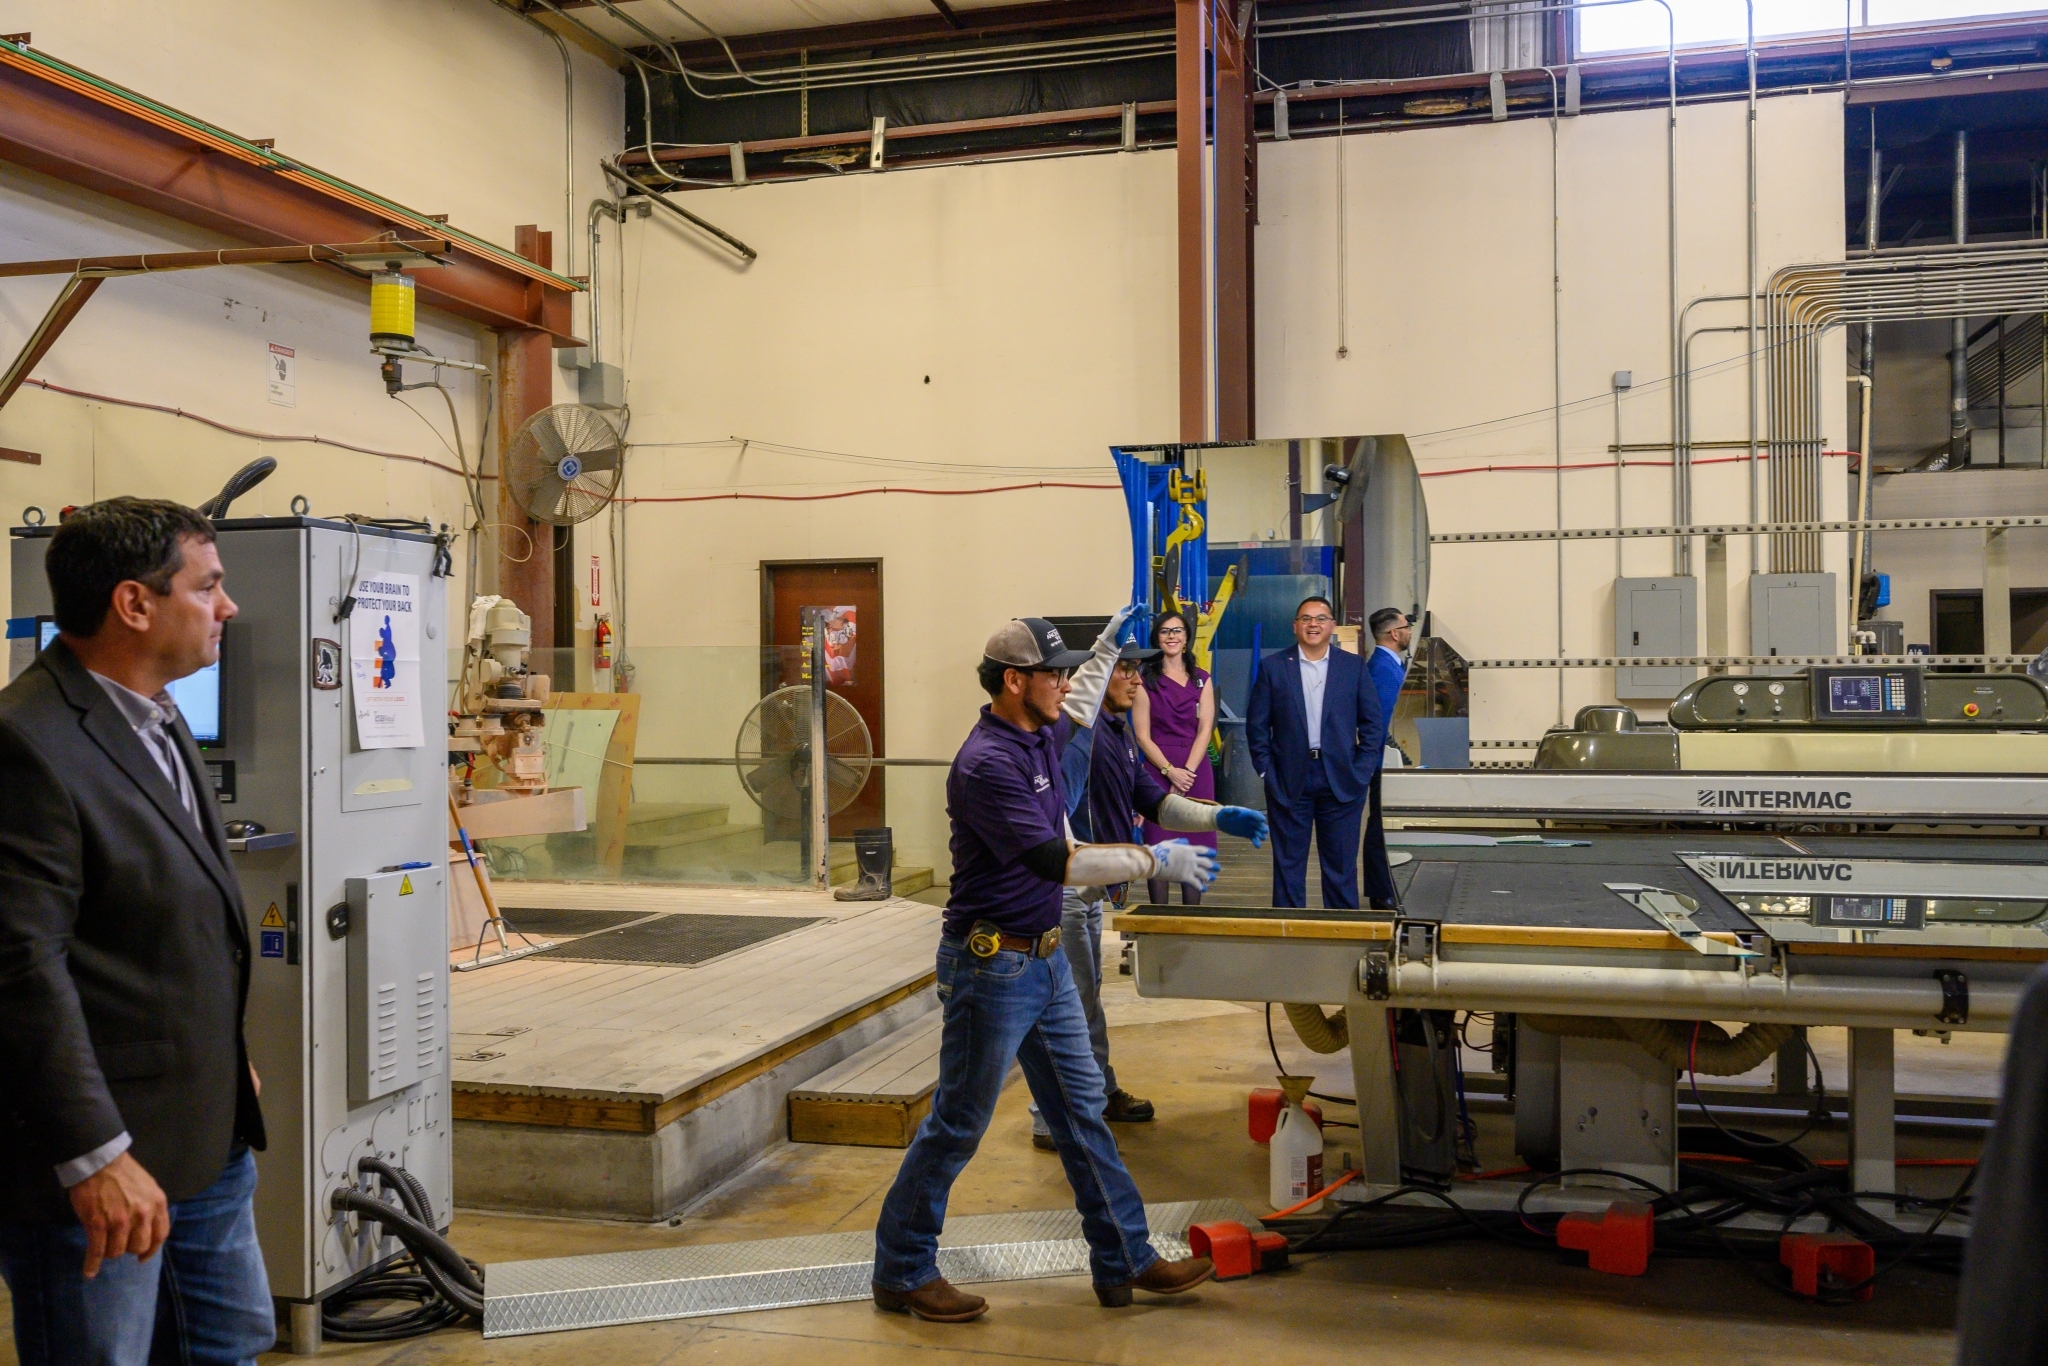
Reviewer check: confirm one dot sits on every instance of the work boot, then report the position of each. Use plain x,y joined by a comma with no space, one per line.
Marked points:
1044,1143
875,851
1125,1108
1161,1278
937,1302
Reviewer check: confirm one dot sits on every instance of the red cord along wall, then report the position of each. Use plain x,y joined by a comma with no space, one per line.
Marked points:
233,430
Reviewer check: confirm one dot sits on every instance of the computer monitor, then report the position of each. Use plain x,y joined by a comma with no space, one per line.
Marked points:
197,696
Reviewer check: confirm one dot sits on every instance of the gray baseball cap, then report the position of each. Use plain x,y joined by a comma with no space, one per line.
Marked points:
1031,643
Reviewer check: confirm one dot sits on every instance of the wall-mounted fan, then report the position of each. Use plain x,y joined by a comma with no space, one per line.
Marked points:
563,466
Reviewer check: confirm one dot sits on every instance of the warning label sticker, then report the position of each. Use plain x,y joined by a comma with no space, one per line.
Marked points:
405,885
271,919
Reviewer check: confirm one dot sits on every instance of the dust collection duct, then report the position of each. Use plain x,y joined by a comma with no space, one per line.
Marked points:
1383,525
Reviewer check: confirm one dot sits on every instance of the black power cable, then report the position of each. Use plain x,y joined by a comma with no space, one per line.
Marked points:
442,1286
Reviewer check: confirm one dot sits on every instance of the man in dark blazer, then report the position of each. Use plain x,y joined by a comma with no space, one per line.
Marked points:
129,1108
1388,665
1315,729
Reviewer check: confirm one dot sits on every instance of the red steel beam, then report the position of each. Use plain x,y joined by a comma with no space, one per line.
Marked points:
70,299
1232,236
78,130
526,548
1191,31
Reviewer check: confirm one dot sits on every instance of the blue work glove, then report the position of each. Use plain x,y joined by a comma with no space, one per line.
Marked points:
1114,632
1192,865
1242,822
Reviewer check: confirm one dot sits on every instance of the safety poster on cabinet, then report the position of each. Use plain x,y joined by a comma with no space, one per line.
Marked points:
384,658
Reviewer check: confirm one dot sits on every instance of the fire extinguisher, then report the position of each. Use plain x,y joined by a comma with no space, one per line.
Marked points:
603,642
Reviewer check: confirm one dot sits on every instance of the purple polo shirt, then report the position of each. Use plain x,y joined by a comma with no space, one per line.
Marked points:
1005,795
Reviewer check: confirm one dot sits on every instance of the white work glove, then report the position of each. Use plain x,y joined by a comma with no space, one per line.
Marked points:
1192,865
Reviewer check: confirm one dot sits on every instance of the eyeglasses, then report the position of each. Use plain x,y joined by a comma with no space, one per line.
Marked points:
1318,620
1129,667
1166,631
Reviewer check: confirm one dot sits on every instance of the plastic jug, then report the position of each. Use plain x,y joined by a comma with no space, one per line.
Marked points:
1296,1152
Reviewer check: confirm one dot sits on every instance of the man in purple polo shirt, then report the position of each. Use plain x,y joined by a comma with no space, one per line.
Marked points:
1008,993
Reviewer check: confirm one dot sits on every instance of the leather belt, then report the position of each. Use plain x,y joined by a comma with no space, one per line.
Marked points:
985,941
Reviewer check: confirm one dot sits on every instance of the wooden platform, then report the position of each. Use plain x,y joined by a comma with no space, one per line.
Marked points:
877,1097
626,1090
631,1048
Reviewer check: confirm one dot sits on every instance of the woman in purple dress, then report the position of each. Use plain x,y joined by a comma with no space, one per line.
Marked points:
1173,718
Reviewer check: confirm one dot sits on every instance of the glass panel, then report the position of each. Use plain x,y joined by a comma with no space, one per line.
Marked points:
667,797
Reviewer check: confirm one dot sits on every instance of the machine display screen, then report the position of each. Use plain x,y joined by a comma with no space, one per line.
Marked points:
1871,912
1856,693
1866,696
197,696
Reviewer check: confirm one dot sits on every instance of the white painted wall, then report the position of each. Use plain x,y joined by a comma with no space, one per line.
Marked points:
1038,297
1448,319
448,106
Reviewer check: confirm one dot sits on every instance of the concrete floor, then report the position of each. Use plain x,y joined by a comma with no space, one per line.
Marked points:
1461,1303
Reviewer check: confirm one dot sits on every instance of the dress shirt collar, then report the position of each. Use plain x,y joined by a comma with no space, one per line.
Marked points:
138,711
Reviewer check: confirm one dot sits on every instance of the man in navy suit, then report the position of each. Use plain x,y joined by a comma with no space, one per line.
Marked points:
1388,666
1315,728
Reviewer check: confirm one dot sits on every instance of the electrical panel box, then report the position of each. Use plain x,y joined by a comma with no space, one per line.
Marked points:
1791,614
397,927
1655,616
343,792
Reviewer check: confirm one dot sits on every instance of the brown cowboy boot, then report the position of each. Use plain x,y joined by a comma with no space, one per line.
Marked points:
936,1302
1161,1278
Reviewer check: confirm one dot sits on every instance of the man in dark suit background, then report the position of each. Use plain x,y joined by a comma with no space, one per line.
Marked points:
1388,665
129,1107
1315,730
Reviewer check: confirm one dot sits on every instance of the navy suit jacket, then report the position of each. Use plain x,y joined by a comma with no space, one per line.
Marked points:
1388,674
1354,728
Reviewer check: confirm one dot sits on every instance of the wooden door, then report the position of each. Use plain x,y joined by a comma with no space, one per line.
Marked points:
789,586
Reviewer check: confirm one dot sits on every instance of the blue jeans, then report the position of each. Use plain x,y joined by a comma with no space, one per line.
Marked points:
1011,1007
1081,942
203,1300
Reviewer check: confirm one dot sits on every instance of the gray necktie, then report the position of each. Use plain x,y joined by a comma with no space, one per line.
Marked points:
158,734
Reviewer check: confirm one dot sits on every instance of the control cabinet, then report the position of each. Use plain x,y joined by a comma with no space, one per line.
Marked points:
1655,616
1791,614
348,997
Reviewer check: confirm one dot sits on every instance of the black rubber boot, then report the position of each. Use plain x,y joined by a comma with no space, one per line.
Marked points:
875,850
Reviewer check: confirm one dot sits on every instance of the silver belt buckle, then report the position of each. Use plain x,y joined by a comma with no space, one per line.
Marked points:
1048,942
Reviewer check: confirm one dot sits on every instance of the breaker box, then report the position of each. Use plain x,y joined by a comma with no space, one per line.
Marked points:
1655,616
1791,614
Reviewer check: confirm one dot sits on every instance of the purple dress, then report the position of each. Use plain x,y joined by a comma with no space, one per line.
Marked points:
1176,716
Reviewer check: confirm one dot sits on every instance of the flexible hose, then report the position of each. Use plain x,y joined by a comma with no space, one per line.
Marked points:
461,1285
1321,1033
469,1286
1670,1041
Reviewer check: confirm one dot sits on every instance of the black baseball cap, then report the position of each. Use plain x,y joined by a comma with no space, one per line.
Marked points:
1031,644
1138,653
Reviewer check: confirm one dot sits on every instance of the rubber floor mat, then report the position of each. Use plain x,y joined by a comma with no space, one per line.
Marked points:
557,921
678,940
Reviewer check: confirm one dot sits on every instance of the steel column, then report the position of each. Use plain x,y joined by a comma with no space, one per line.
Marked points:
1372,1074
1191,89
1873,1142
1232,234
526,555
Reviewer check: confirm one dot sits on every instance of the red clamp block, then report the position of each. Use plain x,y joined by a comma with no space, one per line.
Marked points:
1617,1242
1236,1250
1262,1116
1847,1259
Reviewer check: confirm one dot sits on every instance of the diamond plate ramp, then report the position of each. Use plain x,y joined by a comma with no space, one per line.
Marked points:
554,1294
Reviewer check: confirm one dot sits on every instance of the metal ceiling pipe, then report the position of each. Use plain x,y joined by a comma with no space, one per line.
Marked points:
1959,350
